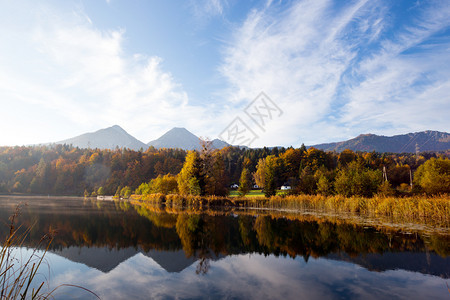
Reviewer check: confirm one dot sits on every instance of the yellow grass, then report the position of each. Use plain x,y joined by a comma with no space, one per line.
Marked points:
419,207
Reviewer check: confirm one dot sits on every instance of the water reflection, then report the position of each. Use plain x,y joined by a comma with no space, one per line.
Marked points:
125,251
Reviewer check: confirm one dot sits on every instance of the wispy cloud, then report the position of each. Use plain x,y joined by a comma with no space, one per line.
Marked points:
335,69
205,9
336,73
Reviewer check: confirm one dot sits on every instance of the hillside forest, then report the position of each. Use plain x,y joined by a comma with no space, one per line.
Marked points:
66,170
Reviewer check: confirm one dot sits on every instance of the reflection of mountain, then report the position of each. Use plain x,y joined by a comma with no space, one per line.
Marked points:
171,261
106,259
425,263
101,258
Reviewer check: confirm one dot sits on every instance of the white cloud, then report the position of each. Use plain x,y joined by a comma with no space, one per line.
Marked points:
71,70
336,74
245,276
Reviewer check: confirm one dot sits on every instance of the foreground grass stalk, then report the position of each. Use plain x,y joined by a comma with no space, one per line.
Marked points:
16,276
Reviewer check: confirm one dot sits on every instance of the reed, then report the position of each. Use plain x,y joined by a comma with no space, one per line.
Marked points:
18,276
417,207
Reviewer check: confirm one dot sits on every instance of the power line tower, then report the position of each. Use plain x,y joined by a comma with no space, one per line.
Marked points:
417,151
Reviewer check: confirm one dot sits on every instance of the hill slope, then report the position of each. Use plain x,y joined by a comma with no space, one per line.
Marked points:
425,140
108,138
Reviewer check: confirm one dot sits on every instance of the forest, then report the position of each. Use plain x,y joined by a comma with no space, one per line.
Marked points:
65,170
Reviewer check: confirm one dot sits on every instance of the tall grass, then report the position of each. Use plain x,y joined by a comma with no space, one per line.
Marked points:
18,276
415,208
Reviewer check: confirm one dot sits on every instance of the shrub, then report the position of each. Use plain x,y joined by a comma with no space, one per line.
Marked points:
434,176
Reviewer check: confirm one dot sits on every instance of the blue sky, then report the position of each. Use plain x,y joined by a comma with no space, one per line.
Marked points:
336,69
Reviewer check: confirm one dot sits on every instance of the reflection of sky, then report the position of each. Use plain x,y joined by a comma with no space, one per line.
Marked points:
244,276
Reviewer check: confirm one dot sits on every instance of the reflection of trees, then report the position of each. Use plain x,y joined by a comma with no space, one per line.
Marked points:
208,236
195,238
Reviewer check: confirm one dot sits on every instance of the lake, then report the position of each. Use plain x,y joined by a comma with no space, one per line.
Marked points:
120,251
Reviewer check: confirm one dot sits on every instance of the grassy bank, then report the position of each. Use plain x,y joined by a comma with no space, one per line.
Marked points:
416,208
254,193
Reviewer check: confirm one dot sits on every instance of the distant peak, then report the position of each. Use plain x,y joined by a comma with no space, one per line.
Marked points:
117,128
178,129
366,134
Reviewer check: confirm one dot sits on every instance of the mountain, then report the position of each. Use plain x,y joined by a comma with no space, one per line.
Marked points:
425,141
182,138
108,138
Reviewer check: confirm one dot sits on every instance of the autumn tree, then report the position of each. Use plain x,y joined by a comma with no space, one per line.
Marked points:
244,182
291,161
166,184
307,183
260,174
270,187
190,177
434,176
346,157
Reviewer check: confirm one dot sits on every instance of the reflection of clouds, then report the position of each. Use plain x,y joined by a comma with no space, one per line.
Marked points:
244,276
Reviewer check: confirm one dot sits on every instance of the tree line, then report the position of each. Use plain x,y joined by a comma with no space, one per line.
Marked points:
305,171
66,170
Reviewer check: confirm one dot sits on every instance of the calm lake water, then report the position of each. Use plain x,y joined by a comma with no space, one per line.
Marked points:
124,252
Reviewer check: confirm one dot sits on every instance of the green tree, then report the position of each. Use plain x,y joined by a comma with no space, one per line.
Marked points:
244,182
356,180
324,186
434,176
324,179
101,191
125,192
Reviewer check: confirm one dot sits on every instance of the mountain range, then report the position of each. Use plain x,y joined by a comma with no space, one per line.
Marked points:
116,137
410,142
